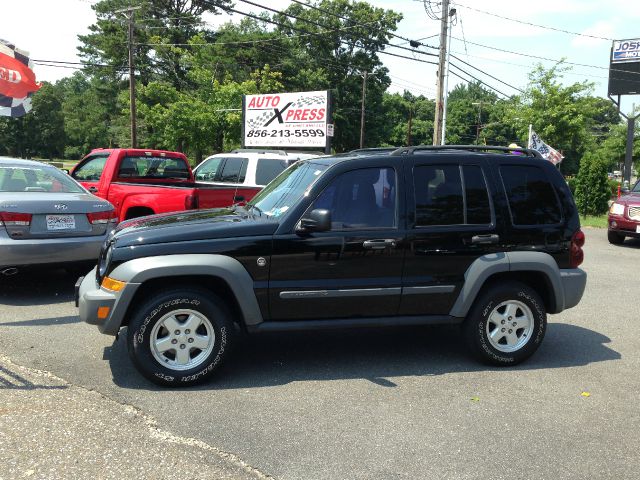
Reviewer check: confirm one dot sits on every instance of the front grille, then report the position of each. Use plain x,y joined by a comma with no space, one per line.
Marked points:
634,213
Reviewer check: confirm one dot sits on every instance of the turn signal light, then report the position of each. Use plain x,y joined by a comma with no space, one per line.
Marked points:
15,219
102,217
112,284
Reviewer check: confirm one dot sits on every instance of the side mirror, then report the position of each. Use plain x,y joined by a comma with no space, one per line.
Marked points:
318,220
66,170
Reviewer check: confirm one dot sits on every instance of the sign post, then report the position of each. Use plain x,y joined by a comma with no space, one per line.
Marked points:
624,79
286,120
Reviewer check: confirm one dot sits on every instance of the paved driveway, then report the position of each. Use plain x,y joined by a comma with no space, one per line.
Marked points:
383,404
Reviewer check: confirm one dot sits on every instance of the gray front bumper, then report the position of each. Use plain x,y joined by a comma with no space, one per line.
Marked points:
91,297
574,282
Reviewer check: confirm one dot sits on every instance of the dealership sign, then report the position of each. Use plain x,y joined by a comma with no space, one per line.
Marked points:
626,51
286,119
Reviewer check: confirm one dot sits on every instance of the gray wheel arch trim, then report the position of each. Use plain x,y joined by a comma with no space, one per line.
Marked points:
487,265
229,269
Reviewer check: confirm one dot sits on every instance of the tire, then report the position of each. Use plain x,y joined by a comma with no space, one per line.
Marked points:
511,302
166,351
615,238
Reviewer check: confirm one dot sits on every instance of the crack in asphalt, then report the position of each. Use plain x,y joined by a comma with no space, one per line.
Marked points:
152,425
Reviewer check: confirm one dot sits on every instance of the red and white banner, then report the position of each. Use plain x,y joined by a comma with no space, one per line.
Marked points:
17,80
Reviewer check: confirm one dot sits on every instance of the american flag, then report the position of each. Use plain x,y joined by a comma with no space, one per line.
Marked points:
17,80
548,153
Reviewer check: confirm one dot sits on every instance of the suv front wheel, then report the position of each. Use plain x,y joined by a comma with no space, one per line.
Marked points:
506,324
180,337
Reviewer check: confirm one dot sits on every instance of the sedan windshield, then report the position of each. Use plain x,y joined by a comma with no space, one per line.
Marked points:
15,178
286,189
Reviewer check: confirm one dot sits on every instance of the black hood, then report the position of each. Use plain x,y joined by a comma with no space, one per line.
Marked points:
192,225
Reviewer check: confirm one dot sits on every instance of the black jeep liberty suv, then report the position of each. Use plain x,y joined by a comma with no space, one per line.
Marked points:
481,236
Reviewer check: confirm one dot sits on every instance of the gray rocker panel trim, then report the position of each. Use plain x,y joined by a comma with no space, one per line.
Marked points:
483,267
229,269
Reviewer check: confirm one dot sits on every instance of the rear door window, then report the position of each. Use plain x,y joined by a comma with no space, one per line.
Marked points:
438,191
478,208
451,195
532,199
268,169
234,170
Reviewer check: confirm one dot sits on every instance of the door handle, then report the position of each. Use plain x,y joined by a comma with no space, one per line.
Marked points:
93,189
485,239
379,244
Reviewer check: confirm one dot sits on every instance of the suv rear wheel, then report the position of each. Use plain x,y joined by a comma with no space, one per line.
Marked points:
180,337
506,324
615,238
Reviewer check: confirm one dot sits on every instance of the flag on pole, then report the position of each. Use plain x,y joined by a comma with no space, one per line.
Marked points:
547,152
17,80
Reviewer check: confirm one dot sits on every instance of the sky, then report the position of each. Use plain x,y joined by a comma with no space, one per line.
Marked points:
48,29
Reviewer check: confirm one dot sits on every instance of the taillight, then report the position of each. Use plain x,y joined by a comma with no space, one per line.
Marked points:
15,219
577,255
191,202
97,218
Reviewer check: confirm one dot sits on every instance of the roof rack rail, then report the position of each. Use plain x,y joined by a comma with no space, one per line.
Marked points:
472,148
258,150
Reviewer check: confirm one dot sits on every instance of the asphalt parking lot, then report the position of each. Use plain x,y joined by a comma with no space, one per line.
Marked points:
378,404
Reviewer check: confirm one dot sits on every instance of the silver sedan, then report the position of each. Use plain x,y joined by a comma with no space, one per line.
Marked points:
46,217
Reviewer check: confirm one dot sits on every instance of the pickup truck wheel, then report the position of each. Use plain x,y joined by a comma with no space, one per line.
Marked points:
615,238
180,337
506,324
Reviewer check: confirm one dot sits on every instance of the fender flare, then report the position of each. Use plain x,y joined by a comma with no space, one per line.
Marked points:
140,270
487,265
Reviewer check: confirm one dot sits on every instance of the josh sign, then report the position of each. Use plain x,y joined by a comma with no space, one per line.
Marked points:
286,119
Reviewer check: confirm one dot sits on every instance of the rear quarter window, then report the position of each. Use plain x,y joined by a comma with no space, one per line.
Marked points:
531,196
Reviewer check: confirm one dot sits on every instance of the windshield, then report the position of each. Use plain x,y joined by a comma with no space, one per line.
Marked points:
36,179
286,189
636,187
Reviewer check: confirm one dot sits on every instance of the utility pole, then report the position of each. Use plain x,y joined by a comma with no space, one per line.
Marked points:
409,126
452,12
479,104
442,58
132,77
364,96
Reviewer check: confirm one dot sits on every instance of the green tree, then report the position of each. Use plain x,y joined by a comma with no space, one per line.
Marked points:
468,109
342,39
592,191
563,116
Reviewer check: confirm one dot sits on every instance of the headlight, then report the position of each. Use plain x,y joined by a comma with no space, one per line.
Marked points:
617,209
104,262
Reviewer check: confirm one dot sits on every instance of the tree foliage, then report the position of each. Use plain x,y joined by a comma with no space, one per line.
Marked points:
592,191
191,78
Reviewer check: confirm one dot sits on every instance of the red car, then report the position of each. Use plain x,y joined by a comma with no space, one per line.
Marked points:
624,216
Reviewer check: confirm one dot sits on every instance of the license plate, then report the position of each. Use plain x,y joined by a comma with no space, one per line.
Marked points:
638,229
61,222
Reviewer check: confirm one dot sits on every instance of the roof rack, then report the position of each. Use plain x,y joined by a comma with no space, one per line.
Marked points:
258,150
470,148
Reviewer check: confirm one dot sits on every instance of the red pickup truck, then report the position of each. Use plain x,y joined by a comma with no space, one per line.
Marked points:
142,182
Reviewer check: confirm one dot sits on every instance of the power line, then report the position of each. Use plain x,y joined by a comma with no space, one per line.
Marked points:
555,60
478,80
290,15
546,27
264,40
488,74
